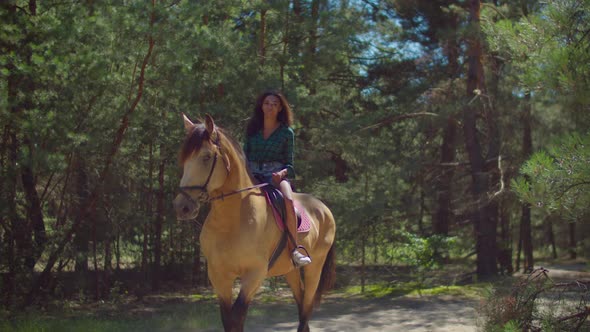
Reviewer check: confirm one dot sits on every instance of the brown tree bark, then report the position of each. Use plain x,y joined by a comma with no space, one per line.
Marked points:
159,224
484,223
444,184
572,240
519,247
35,215
551,237
262,37
310,59
146,227
82,235
11,222
505,250
525,220
9,210
23,252
527,243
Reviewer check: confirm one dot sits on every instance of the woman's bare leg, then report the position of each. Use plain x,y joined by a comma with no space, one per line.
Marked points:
291,222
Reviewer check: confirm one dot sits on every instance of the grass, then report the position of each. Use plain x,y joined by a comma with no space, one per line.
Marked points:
158,316
378,290
185,310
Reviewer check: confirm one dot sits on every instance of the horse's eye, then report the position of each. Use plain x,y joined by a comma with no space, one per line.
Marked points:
206,158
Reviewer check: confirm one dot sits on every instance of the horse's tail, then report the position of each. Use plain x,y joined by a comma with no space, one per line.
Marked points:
328,276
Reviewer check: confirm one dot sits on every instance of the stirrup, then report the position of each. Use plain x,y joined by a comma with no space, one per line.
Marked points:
301,259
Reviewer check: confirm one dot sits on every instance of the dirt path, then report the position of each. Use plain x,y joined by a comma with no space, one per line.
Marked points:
382,315
407,314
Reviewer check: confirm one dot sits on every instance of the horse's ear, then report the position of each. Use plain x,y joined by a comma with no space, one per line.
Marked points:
211,128
188,124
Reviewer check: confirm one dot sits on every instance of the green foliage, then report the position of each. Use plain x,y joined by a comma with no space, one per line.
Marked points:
423,253
557,180
548,52
351,71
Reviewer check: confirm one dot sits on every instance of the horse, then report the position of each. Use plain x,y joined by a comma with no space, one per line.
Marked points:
240,234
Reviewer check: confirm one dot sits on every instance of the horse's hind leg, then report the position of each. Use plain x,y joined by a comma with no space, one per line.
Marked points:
294,281
312,274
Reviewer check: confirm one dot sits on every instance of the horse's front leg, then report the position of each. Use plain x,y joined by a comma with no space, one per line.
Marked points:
250,281
223,285
225,309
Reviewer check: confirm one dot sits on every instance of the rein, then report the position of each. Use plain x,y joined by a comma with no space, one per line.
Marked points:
222,196
203,188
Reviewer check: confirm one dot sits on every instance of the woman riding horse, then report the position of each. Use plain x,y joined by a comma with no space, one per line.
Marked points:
240,236
269,148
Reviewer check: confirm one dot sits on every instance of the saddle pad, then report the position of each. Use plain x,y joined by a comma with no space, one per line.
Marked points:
305,224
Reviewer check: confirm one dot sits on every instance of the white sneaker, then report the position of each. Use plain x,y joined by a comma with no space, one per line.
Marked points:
300,259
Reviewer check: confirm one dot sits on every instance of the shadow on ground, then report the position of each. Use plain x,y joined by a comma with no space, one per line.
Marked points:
360,314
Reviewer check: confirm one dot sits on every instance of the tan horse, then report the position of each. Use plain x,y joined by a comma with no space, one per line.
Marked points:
240,234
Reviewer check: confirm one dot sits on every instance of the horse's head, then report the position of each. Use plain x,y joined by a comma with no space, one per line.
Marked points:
205,167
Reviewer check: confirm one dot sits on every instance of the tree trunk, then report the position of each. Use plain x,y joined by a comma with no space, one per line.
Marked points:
159,223
527,149
527,243
363,261
107,261
444,185
8,213
519,249
95,262
572,238
12,222
18,231
9,183
35,215
146,225
296,34
309,61
484,224
376,243
505,251
551,237
81,239
444,193
262,37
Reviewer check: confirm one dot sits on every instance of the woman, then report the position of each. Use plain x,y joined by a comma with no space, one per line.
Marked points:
269,149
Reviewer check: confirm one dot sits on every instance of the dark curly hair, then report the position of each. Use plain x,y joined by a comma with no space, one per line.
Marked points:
256,122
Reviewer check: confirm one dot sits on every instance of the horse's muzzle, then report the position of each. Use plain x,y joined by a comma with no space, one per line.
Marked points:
185,208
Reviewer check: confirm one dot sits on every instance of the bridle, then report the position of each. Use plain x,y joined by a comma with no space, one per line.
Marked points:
203,188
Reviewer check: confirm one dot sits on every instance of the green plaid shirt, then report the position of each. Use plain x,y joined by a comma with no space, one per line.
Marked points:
279,147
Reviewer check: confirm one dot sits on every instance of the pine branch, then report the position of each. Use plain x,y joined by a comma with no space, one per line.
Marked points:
392,119
91,201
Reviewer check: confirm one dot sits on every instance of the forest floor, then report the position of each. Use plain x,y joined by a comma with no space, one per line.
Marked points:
409,312
345,309
337,313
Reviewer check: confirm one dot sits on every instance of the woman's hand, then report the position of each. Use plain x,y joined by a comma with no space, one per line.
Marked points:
277,177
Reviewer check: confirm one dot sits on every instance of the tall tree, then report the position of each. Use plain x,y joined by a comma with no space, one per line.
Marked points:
483,219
